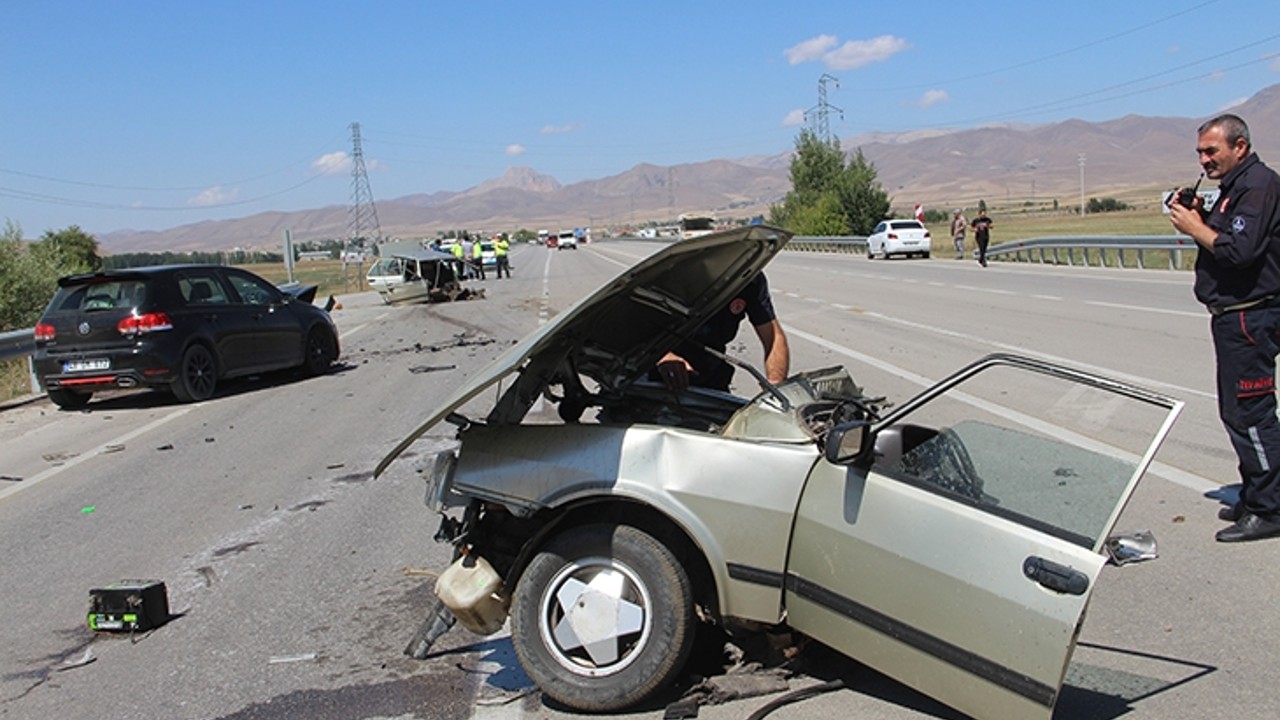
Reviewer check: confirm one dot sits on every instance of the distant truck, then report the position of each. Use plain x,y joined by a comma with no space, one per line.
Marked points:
694,225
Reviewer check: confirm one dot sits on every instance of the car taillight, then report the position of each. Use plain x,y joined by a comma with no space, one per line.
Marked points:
144,323
45,332
926,234
893,236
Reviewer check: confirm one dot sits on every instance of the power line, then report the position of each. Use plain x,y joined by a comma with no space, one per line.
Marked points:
74,202
179,188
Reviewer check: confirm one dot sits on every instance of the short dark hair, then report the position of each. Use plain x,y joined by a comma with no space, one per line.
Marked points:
1233,127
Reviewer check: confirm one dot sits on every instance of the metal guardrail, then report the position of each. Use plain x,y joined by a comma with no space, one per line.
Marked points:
850,244
17,343
1047,249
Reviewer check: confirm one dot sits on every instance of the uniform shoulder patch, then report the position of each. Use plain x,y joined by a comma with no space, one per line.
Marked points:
1237,223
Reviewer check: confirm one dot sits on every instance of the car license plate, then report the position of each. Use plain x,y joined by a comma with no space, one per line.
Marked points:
86,365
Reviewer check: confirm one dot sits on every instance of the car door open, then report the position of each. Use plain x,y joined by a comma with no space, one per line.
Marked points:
958,551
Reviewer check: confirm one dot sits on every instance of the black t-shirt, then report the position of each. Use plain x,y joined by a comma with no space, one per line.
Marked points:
982,227
753,303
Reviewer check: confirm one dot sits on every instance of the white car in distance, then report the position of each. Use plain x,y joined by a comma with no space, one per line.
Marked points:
898,237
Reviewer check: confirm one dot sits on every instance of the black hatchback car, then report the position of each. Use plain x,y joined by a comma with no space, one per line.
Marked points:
180,327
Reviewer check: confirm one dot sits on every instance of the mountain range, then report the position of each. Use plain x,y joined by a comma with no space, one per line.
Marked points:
1003,164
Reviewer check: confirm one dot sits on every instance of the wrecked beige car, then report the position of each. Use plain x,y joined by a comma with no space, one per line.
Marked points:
951,542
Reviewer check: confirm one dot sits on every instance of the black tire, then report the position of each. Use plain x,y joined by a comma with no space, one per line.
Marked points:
69,399
197,375
653,597
321,351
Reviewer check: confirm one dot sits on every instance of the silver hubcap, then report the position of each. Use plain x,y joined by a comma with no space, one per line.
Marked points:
594,616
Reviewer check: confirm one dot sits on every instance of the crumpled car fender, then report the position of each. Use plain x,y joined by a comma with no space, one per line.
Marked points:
734,499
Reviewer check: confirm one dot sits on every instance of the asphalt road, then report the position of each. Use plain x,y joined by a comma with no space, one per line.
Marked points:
297,579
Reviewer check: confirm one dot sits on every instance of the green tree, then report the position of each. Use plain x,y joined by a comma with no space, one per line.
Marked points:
829,196
27,280
864,201
72,249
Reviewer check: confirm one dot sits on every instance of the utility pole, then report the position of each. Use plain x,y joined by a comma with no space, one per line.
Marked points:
1080,159
820,115
671,191
362,216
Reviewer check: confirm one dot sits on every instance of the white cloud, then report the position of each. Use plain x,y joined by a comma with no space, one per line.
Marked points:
332,164
557,129
933,97
515,149
856,53
793,118
216,195
810,50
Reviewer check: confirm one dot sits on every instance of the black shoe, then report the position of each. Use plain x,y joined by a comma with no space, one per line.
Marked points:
1248,527
1231,513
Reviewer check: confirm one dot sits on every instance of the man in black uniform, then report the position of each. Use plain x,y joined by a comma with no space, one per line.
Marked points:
689,364
1238,279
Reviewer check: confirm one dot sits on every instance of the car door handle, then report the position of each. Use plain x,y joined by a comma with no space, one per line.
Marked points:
1056,577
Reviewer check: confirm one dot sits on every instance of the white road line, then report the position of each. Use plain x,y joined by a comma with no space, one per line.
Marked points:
993,291
1139,308
1179,477
109,445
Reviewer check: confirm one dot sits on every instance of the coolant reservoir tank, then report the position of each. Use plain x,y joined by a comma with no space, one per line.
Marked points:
472,590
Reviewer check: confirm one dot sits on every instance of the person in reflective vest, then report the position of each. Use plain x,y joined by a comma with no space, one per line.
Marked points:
500,249
477,258
459,262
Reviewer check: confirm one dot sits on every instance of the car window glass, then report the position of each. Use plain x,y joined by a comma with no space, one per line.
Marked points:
252,290
112,295
200,289
1050,453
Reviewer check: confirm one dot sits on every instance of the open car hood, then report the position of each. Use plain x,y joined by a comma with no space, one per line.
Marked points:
617,333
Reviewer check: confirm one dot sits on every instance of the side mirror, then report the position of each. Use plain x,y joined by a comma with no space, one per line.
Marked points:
849,442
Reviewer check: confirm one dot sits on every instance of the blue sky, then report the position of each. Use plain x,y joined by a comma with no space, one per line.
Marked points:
148,115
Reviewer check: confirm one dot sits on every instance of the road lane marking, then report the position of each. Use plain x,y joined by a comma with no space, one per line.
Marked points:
109,446
1139,308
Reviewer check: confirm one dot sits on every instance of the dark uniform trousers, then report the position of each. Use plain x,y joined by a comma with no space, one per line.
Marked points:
1246,344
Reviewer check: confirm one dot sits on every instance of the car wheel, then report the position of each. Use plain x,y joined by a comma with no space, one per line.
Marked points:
603,618
197,375
924,255
871,253
322,351
68,399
